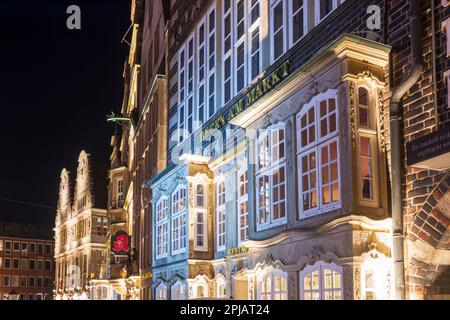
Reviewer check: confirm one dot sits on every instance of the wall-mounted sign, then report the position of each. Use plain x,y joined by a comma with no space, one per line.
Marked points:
255,93
120,243
431,151
236,251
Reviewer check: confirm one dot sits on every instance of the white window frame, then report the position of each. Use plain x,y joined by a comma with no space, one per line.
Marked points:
181,294
317,19
182,69
211,69
221,210
320,267
201,118
268,172
254,26
1,244
8,252
243,201
162,225
190,94
178,215
221,283
370,133
237,43
9,281
305,9
161,292
272,275
316,146
204,231
120,193
273,4
227,54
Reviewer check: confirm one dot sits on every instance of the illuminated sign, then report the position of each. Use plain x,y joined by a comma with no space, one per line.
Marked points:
120,243
257,92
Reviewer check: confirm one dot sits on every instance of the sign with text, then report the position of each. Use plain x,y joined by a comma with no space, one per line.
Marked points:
431,151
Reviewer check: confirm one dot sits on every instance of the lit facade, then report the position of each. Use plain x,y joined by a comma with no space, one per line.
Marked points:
80,231
279,176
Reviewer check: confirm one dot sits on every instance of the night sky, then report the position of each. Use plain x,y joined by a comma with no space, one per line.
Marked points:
57,86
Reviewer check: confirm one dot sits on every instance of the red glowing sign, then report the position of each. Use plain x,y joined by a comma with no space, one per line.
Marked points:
120,243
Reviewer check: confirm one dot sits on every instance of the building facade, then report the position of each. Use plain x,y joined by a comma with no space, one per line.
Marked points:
287,175
80,230
26,262
139,152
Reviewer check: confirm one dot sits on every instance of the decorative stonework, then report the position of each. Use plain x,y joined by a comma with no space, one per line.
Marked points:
357,283
382,119
352,114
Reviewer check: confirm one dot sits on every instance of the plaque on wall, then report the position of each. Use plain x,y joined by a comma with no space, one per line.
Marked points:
431,151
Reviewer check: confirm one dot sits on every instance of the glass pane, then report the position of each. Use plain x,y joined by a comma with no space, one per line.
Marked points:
336,280
315,280
363,97
328,275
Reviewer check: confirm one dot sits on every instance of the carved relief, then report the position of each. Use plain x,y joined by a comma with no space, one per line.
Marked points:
357,283
352,114
191,195
382,125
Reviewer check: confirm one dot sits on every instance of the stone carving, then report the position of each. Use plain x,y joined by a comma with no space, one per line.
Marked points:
191,195
352,114
382,125
357,284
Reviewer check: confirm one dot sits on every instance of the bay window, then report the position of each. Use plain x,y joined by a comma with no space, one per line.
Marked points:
179,220
221,215
271,177
318,156
321,282
273,286
243,204
162,228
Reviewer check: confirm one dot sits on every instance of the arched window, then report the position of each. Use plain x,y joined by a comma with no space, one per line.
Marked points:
221,287
377,276
318,155
162,228
179,220
161,292
178,291
321,282
272,285
271,177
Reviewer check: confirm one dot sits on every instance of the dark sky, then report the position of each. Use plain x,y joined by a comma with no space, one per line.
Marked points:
56,87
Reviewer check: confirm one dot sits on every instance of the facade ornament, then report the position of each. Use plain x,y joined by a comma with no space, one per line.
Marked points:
382,124
191,195
357,284
352,114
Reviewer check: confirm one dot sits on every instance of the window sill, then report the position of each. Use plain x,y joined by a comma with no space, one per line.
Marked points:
270,226
324,210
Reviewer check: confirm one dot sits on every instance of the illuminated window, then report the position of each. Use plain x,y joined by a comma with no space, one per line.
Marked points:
243,204
271,177
321,282
221,287
200,196
24,248
24,264
367,146
179,220
221,215
1,245
178,291
201,70
200,231
273,286
120,193
211,62
181,92
318,156
161,292
15,281
240,46
162,228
